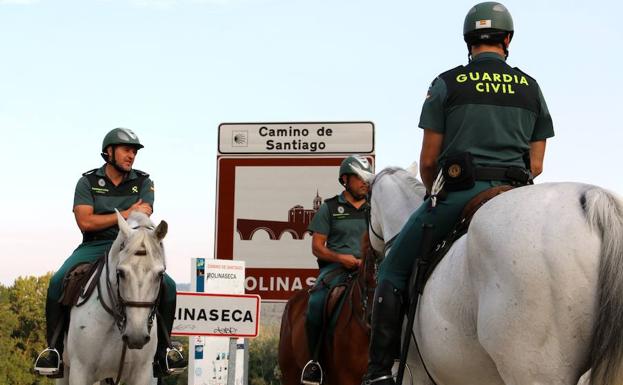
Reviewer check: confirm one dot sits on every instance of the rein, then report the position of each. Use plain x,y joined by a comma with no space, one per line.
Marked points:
118,305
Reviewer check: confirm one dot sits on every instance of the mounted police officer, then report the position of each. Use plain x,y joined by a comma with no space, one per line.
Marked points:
485,124
337,230
115,185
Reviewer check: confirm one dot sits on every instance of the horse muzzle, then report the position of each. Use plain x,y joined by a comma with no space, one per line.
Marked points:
136,341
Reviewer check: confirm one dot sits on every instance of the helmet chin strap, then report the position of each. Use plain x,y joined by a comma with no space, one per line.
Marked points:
111,161
357,197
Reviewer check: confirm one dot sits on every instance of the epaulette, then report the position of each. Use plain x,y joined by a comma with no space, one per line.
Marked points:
90,172
450,70
332,199
531,78
141,173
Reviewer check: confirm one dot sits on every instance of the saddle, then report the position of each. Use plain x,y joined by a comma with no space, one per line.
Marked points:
76,280
436,254
335,299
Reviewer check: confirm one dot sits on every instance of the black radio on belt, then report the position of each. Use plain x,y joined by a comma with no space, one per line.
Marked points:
519,175
459,172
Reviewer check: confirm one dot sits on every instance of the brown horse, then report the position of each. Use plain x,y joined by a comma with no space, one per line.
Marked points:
344,358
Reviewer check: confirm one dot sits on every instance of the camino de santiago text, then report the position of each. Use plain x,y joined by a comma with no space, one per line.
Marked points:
295,139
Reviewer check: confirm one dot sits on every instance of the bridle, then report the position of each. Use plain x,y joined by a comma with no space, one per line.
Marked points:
118,306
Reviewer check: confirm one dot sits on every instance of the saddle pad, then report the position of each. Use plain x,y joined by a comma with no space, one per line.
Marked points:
480,199
74,282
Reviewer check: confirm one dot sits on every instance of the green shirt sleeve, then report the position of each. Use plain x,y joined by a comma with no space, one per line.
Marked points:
147,192
432,116
321,222
82,195
543,127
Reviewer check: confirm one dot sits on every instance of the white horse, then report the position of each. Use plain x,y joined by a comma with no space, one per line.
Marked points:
122,313
532,294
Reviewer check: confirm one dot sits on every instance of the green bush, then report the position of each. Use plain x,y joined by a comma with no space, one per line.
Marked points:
263,364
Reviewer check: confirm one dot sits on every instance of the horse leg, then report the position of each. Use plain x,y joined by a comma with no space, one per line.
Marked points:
65,379
141,375
446,328
81,375
293,351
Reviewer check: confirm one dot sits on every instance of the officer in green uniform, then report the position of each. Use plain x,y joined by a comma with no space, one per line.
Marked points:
337,229
485,124
98,193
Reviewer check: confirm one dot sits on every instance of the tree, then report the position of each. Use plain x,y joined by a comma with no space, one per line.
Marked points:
22,316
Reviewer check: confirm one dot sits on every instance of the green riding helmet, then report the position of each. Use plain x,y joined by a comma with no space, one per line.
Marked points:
356,165
121,136
488,23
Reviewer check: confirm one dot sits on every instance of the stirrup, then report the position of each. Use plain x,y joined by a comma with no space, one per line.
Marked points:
378,379
47,371
317,365
180,356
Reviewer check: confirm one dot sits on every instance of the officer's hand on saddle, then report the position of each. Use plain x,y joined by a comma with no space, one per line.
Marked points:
349,261
140,206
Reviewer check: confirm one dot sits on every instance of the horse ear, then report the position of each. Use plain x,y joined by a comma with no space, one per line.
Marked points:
161,230
123,225
413,169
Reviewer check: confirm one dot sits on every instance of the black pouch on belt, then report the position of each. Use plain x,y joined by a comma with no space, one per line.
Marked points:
459,172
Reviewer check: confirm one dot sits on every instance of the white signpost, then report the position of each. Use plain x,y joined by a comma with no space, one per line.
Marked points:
223,315
296,138
271,180
219,291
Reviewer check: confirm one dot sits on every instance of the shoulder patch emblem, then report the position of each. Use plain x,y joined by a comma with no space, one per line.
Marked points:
135,189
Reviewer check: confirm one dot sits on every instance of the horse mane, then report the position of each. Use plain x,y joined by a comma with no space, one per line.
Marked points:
412,183
142,237
139,219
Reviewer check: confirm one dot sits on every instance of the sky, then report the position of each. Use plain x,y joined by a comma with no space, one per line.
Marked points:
173,70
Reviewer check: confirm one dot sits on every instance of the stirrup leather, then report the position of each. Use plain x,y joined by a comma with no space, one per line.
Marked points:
48,371
315,363
174,352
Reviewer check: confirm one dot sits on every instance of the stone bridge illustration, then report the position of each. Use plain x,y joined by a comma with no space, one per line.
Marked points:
296,225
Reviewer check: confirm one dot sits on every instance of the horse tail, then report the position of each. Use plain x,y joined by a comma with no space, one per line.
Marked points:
604,213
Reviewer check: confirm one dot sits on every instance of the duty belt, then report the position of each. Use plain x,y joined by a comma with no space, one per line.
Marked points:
90,237
518,175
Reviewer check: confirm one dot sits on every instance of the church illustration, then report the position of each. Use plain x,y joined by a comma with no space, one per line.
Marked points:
298,220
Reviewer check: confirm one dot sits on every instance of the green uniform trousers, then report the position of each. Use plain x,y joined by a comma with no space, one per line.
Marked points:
314,322
397,265
90,252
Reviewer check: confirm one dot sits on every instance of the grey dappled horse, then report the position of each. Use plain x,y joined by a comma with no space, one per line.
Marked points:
533,294
129,286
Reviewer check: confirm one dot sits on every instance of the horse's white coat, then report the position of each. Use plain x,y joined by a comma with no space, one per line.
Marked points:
513,302
93,342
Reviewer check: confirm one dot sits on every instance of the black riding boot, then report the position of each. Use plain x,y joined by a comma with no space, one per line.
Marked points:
386,329
168,360
49,361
